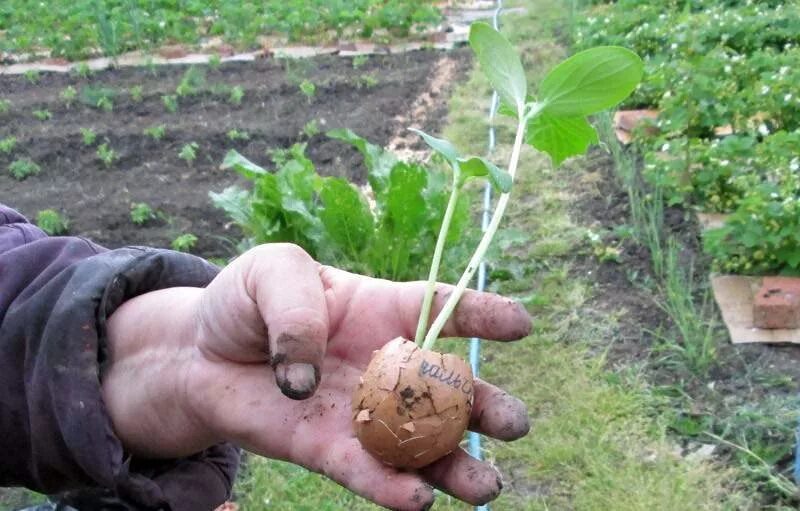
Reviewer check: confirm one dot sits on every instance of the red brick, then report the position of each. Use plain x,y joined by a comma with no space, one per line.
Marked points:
777,303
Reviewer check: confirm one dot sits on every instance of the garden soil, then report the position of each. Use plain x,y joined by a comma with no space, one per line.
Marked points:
374,98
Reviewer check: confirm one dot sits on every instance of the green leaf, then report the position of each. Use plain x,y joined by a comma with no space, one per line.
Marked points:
500,63
379,162
440,145
346,216
560,137
475,166
406,207
234,160
235,202
591,81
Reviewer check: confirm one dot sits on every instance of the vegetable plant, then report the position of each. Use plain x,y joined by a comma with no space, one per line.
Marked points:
88,135
136,93
156,132
51,222
236,95
191,83
188,152
413,404
170,102
141,213
42,115
23,168
308,89
8,144
106,154
5,105
311,128
68,95
184,242
234,135
33,76
214,61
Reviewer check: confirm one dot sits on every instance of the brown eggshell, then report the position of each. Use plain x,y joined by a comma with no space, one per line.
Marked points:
412,405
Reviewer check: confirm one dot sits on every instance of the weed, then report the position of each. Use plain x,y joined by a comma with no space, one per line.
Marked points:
170,102
188,152
308,89
33,76
155,132
184,242
234,135
7,144
42,115
88,135
141,213
106,154
69,95
23,168
311,128
136,93
51,222
236,95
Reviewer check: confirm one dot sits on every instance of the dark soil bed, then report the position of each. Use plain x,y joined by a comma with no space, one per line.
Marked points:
365,97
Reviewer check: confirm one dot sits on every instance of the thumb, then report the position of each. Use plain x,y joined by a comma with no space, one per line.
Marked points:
284,281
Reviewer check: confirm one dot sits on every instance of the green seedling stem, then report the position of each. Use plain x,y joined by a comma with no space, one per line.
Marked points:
480,251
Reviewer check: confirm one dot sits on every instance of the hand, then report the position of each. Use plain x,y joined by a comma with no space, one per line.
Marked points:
211,359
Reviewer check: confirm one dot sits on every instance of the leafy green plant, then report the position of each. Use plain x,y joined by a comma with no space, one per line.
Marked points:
155,132
170,102
33,76
193,80
184,243
8,144
23,168
42,115
141,213
234,135
88,135
51,222
82,70
311,128
360,60
236,95
214,61
188,152
106,154
105,104
69,95
308,89
5,106
366,80
136,93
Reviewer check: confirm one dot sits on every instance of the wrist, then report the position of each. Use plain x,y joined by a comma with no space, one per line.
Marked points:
152,340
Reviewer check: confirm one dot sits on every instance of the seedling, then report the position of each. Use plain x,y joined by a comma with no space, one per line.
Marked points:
156,132
367,81
107,155
359,60
23,168
236,95
82,70
311,128
5,106
32,75
308,89
427,416
69,95
104,103
141,213
170,102
193,80
136,93
42,115
8,144
184,242
234,135
51,222
188,152
89,136
214,61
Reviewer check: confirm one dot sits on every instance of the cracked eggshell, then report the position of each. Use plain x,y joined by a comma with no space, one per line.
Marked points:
413,405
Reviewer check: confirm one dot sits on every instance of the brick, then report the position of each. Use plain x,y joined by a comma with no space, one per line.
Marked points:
777,303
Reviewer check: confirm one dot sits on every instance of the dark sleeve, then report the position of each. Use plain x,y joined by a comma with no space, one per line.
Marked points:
55,434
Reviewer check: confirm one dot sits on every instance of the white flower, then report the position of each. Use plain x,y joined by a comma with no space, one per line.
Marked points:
787,98
764,89
673,46
783,70
762,128
724,163
794,165
665,147
727,68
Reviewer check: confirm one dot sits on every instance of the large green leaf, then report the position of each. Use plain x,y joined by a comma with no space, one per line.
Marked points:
234,160
590,81
475,166
500,63
378,161
346,216
235,202
406,208
440,145
560,137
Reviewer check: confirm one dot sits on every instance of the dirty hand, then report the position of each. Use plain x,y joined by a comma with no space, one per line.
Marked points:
193,367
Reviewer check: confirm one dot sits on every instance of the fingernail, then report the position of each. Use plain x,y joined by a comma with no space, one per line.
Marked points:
297,381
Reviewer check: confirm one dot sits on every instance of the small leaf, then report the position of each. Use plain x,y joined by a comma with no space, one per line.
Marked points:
560,137
500,63
234,160
591,81
476,166
440,145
